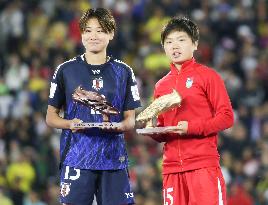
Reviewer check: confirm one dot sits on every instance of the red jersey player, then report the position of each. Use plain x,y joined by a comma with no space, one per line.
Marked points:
191,170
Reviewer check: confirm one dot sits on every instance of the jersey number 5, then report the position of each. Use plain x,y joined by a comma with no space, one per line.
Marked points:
168,198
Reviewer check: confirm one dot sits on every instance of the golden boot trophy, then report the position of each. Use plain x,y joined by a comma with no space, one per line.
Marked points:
158,106
98,103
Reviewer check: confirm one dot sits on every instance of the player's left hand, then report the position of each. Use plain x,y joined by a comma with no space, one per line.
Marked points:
182,127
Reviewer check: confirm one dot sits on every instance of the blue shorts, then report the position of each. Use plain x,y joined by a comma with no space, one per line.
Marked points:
111,187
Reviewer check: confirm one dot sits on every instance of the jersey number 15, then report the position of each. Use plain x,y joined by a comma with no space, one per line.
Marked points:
168,198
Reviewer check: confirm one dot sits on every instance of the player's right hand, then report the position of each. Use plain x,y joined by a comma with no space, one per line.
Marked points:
72,127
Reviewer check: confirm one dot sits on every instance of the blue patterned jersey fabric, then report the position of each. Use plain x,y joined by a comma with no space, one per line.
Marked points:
94,148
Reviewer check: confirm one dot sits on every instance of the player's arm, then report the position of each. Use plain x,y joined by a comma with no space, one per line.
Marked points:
126,124
54,120
223,114
55,101
129,120
131,102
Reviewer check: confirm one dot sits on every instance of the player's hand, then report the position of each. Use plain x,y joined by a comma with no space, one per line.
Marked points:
182,127
72,122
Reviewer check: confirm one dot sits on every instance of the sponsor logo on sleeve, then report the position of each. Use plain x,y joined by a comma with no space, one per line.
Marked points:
53,87
135,92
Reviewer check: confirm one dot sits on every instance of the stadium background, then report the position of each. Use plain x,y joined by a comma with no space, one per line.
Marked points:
37,35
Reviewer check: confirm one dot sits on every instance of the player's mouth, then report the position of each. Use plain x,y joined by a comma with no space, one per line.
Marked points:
94,43
176,54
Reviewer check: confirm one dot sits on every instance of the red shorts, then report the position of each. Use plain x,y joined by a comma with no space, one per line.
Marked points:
204,186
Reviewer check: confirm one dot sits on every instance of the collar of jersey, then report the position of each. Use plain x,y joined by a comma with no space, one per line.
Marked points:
95,66
184,67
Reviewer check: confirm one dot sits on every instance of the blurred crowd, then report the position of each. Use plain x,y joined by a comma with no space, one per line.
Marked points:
38,35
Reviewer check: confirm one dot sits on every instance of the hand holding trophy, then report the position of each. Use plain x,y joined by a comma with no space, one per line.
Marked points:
158,106
98,103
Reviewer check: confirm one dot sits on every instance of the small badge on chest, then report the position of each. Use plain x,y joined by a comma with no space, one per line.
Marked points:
97,83
189,82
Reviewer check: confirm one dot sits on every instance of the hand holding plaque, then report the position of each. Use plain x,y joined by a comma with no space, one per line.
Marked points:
98,103
158,106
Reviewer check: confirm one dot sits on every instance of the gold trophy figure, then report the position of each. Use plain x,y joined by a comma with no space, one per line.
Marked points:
98,103
158,106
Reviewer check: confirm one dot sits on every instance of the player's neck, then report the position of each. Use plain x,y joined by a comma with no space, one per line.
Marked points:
178,66
96,58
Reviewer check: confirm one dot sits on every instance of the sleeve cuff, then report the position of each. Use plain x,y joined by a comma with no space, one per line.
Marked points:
193,128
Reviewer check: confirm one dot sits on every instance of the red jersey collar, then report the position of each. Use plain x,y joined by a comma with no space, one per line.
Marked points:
185,66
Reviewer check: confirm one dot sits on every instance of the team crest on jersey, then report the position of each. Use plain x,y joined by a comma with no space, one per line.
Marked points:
189,82
97,83
65,189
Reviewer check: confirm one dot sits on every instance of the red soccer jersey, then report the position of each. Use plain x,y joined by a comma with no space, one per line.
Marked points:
207,108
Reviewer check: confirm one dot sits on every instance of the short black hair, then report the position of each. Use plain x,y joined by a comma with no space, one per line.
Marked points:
104,17
181,24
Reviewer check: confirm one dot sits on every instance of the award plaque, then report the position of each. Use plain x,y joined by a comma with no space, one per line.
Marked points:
158,106
98,103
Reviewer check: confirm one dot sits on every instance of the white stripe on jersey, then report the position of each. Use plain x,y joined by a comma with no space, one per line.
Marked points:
133,76
83,57
220,193
56,71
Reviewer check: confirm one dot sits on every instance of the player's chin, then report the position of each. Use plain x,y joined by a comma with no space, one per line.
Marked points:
178,60
95,51
95,48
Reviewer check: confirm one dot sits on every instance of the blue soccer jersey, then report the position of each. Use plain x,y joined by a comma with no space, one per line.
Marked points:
94,148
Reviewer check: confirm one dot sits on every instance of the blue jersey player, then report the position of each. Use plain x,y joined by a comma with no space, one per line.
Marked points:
94,161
